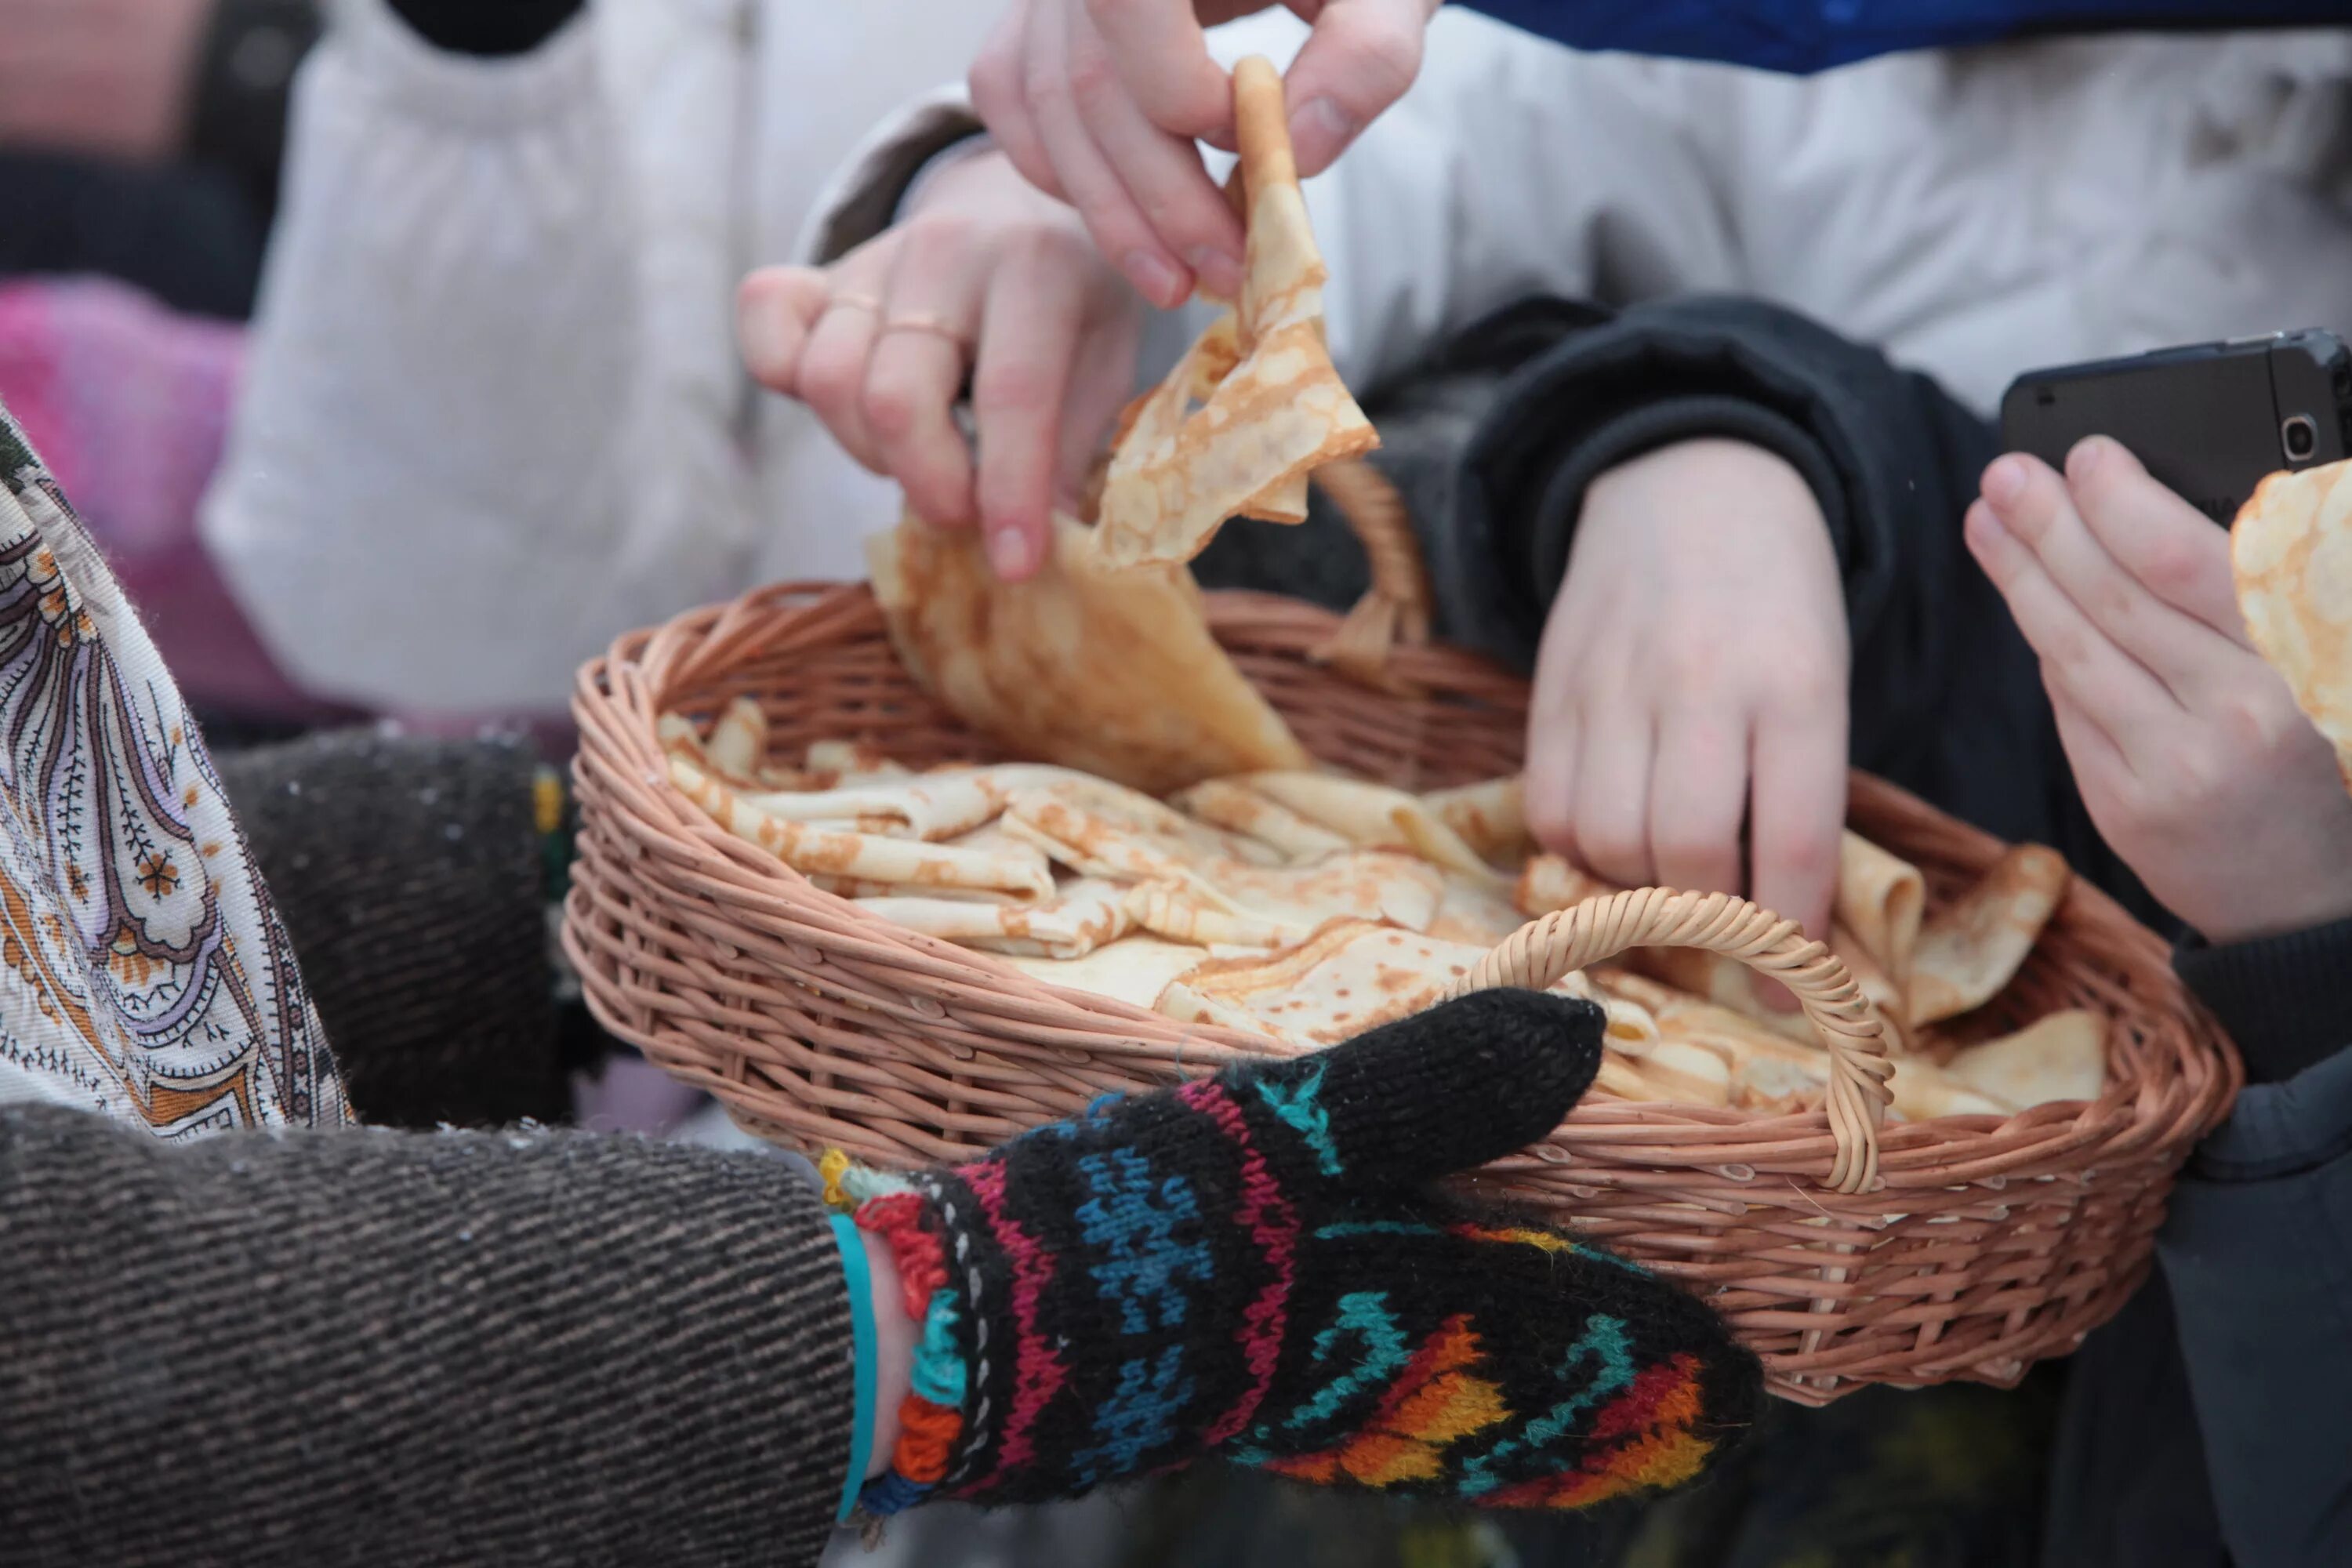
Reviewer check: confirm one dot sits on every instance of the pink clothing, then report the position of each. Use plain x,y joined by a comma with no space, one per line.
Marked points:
129,403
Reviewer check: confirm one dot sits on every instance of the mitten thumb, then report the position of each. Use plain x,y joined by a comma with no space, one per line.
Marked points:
1468,1081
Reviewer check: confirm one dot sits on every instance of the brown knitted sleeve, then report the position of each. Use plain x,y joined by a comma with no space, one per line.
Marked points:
375,1347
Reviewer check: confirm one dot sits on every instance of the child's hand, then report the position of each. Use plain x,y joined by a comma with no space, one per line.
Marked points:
987,279
1101,101
1692,679
2190,753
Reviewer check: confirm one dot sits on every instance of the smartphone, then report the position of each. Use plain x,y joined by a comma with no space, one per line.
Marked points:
2210,421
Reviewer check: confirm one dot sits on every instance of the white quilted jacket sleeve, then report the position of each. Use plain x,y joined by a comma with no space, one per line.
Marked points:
488,416
1512,167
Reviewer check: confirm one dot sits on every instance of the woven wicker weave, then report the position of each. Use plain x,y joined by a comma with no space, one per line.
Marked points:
1976,1245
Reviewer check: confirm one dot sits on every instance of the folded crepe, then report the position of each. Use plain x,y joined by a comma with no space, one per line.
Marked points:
833,763
1098,828
1134,969
1880,898
1353,976
2291,553
1869,876
1190,915
2061,1056
1359,884
1769,1071
1113,672
1375,816
944,803
1255,406
1081,916
1547,883
733,737
1473,911
1972,948
1491,817
1731,984
739,741
1237,807
1349,977
1101,829
912,807
863,856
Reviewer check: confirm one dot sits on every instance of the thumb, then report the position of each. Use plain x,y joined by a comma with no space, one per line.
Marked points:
1428,1096
1358,60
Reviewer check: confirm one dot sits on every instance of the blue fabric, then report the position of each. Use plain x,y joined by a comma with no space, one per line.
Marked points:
860,1279
1803,35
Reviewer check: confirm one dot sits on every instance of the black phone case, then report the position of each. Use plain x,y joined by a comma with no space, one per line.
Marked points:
2210,421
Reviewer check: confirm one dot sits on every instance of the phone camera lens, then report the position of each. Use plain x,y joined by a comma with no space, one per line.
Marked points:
2300,435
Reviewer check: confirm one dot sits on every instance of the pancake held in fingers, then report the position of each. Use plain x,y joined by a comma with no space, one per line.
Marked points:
1255,407
2291,553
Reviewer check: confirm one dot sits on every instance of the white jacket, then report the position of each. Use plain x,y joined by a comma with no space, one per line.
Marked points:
1978,213
493,412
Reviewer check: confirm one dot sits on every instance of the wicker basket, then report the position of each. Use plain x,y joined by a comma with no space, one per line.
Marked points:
1975,1246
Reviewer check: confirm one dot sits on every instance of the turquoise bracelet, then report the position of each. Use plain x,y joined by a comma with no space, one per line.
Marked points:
854,1269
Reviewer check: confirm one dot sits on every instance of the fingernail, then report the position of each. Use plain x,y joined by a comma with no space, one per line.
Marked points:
2084,456
1319,128
2005,482
1155,279
1219,273
1008,555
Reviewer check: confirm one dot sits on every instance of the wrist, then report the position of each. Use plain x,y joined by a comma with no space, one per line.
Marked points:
2247,927
926,179
1727,430
894,1345
916,1443
2286,1000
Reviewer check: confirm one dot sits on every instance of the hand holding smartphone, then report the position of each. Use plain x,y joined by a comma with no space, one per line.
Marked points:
2209,421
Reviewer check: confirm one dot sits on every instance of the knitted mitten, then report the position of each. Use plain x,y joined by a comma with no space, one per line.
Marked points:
1255,1262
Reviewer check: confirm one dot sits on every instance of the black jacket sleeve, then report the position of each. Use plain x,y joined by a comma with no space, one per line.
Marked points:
2257,1251
2209,1424
373,1347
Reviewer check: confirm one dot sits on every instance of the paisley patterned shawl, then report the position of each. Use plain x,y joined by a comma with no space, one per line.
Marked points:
143,970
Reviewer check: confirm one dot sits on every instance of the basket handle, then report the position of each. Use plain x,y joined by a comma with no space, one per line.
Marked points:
1545,951
1396,609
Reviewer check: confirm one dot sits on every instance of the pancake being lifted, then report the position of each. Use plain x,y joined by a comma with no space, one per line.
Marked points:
1111,671
1255,406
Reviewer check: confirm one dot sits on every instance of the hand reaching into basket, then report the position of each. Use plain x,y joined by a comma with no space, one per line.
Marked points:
985,278
2189,751
1257,1263
1688,723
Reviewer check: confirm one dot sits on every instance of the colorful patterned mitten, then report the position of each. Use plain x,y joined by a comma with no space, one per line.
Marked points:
1256,1262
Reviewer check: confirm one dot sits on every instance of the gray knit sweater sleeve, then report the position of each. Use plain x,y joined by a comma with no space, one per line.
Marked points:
375,1347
